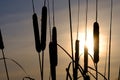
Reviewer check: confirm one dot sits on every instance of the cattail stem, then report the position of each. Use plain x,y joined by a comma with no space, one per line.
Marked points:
71,35
96,72
33,6
76,59
109,58
40,64
42,75
5,65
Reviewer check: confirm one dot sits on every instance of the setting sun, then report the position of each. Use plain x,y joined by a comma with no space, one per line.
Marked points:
89,43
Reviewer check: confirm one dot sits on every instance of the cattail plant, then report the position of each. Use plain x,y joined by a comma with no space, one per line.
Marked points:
53,53
36,29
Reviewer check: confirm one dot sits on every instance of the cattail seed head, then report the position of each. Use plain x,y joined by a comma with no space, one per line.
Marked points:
36,32
1,41
96,42
43,27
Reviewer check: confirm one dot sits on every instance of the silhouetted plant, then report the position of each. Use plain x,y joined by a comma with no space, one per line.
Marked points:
43,27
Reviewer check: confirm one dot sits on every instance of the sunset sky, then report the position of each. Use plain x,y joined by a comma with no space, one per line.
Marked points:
18,36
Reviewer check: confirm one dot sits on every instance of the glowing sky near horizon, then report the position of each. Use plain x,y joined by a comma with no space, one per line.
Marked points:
17,32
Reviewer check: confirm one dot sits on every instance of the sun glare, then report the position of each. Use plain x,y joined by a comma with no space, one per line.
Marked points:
89,43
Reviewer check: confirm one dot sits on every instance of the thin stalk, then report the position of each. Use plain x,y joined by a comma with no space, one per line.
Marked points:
33,6
110,41
106,59
96,10
49,20
65,52
78,19
44,2
40,65
5,65
96,71
86,21
53,13
71,33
